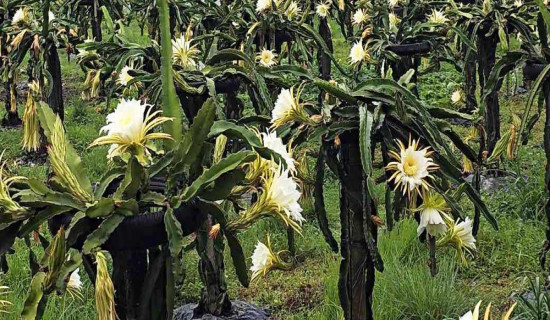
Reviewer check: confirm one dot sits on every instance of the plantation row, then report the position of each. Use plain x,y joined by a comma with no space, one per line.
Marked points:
231,113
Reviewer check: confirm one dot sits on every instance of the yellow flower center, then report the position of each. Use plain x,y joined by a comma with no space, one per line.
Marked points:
266,57
126,77
409,166
126,120
182,53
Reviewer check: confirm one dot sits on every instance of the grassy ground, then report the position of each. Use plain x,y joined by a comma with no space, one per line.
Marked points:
404,291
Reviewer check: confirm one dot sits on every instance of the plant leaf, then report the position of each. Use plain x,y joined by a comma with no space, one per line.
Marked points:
228,164
34,296
191,145
174,232
232,130
102,233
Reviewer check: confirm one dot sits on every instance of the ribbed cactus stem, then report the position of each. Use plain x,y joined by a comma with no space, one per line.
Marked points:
170,104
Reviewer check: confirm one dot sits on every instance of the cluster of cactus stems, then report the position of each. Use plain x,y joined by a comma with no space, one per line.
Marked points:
357,272
487,47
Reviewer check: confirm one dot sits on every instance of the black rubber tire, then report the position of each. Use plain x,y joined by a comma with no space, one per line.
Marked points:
223,85
281,36
228,85
84,3
532,70
410,49
398,10
139,232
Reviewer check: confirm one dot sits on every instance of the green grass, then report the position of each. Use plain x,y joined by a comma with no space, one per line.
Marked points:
404,291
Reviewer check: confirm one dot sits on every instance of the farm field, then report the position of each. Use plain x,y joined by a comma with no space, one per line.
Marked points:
504,269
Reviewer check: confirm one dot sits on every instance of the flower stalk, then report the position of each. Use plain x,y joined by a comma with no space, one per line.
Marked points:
56,257
257,168
74,285
289,109
31,126
57,152
104,290
7,205
459,235
279,198
265,260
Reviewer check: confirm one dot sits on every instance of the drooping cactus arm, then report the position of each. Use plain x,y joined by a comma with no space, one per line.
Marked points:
320,210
